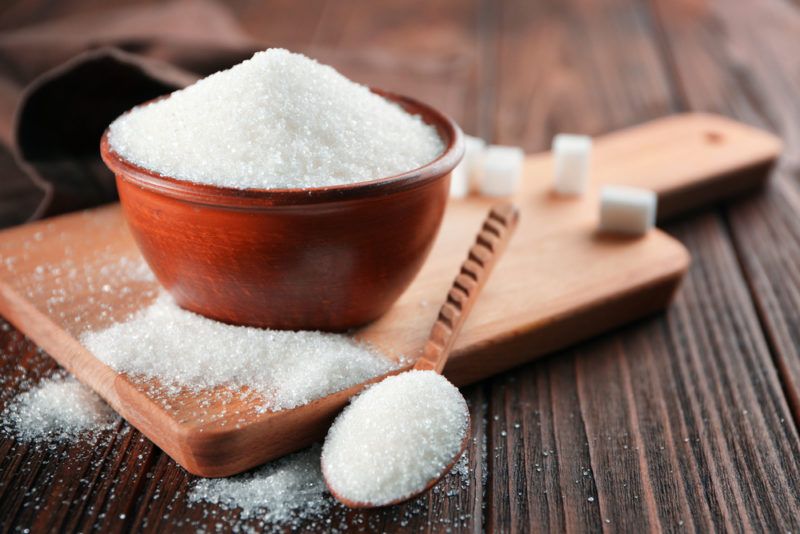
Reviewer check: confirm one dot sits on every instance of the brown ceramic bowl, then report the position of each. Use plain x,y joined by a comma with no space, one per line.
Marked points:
327,258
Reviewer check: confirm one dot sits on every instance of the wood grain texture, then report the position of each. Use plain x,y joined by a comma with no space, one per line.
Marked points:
491,242
732,75
518,72
630,410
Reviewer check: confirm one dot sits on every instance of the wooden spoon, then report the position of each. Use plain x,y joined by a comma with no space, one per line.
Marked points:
492,240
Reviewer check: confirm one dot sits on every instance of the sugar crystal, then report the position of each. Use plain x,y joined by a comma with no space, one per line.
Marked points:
187,350
282,491
57,409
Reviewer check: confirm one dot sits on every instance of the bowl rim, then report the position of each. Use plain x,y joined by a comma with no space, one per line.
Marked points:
215,195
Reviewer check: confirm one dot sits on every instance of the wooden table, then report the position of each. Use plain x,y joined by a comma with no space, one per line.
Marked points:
687,420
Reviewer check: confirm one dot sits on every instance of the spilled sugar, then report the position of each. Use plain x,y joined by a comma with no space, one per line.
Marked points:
291,492
59,409
394,438
288,493
93,278
285,369
285,491
278,120
107,275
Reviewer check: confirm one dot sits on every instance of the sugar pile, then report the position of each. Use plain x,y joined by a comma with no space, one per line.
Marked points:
277,120
284,491
286,369
394,438
291,493
58,409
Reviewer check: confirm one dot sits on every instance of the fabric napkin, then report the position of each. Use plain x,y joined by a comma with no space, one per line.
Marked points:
63,81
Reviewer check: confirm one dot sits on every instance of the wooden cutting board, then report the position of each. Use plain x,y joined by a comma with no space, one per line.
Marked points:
558,283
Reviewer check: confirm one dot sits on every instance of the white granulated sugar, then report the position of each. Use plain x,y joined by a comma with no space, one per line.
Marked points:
285,491
58,408
277,120
290,494
286,369
395,438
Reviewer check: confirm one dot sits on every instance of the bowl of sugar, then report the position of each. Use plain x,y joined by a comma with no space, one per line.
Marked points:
280,194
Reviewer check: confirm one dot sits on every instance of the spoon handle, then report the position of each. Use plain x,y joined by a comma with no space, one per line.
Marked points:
492,239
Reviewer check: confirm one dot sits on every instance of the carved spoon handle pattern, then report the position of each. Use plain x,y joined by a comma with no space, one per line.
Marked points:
492,240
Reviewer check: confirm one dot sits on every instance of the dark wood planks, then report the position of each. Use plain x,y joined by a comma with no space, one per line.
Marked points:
737,390
698,400
575,75
122,482
681,421
732,57
549,66
541,474
657,461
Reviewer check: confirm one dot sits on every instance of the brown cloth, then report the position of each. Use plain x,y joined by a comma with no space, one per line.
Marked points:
64,81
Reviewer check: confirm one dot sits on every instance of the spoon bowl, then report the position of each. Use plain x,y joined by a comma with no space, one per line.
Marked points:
432,482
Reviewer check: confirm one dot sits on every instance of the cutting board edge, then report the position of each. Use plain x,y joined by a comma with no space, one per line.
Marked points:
63,348
196,446
190,444
596,319
714,191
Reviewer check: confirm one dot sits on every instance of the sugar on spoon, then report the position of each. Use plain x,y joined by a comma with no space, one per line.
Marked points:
400,436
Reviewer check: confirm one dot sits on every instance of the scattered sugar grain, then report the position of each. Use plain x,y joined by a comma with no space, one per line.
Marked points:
277,120
286,491
572,155
57,409
394,438
186,350
291,493
461,470
627,210
502,171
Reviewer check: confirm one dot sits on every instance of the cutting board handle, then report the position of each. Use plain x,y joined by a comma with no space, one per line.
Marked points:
492,240
691,160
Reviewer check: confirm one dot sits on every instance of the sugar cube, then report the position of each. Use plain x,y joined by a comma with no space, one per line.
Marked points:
502,169
459,181
572,154
627,210
467,172
475,149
